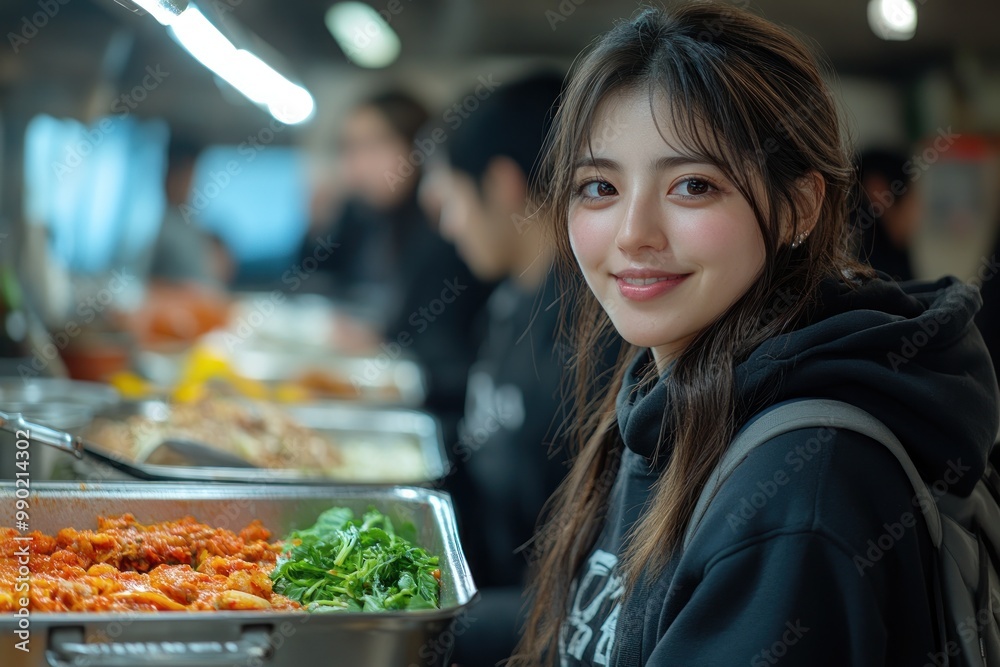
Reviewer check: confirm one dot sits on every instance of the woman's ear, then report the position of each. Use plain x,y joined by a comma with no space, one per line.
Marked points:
810,193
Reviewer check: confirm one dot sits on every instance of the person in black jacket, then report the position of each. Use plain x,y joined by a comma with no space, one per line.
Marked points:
508,459
698,186
384,262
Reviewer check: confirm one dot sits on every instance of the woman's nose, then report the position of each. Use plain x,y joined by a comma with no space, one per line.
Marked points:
643,226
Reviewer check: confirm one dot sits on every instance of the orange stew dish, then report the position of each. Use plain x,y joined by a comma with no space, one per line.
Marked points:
126,566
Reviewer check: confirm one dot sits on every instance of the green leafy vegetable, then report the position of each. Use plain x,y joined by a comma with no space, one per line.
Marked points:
340,564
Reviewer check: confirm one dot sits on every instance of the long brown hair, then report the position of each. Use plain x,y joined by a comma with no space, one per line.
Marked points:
748,97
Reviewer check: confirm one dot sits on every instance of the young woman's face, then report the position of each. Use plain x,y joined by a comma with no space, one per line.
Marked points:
371,152
667,244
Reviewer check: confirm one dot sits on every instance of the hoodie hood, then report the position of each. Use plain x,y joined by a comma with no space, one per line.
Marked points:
907,353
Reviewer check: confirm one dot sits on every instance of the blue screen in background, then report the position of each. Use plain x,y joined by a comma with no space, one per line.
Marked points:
98,189
256,201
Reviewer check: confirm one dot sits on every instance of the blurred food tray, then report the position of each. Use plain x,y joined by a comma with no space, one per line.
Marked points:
23,392
376,446
306,371
378,379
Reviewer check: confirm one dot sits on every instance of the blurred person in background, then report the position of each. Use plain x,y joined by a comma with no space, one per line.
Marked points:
888,213
409,292
506,466
183,252
188,269
222,266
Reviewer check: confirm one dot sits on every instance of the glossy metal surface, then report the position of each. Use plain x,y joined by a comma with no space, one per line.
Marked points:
205,639
339,420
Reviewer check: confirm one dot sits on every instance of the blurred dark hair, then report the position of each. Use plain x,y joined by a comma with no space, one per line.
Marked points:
511,122
402,111
887,163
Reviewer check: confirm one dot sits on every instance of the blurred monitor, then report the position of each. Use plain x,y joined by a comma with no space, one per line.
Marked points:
97,189
255,198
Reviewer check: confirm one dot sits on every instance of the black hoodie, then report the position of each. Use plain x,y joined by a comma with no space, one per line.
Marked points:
510,424
814,552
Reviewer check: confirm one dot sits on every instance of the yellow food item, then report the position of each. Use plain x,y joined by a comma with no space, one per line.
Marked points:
130,385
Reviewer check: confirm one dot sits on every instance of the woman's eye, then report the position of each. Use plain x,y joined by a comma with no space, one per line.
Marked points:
598,189
694,187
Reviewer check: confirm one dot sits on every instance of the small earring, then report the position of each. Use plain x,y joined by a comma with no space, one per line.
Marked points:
800,239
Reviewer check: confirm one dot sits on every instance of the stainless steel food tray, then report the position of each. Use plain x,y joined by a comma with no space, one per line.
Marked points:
242,639
17,393
60,403
379,380
346,422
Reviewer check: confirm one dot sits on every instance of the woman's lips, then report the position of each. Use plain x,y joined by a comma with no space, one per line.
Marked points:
643,285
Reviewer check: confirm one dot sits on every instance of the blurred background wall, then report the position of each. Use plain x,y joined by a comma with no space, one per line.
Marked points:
66,66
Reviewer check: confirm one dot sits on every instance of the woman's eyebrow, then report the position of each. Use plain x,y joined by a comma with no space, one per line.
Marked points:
660,164
598,162
672,161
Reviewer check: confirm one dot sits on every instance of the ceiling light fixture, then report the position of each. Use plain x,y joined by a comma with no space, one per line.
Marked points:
894,20
363,35
164,11
286,101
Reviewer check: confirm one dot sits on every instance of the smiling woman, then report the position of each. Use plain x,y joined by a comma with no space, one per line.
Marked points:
697,185
666,241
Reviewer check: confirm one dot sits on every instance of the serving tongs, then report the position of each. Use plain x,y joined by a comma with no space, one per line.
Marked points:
192,453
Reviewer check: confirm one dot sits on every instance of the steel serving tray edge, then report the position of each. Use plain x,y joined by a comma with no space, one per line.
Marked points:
241,639
324,417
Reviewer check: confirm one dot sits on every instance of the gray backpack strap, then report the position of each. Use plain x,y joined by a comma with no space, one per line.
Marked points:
803,414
